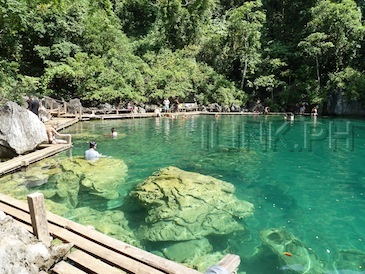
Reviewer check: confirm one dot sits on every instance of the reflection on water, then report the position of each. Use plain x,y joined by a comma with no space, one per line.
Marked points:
304,176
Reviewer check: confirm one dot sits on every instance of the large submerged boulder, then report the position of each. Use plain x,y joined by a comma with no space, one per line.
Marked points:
20,130
102,178
184,205
63,179
293,254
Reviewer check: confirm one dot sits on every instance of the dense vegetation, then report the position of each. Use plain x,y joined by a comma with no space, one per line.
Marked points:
226,51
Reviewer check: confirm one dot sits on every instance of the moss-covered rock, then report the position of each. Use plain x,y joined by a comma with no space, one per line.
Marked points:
185,251
293,254
102,177
185,206
111,222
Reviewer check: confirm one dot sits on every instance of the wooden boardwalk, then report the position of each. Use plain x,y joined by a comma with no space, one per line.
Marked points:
94,252
25,160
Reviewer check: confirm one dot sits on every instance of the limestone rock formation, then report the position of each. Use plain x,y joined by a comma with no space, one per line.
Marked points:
62,179
185,206
293,254
74,105
101,178
21,252
184,251
20,130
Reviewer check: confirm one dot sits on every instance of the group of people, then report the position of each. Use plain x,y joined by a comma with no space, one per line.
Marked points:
90,154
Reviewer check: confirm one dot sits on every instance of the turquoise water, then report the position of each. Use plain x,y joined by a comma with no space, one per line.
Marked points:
305,176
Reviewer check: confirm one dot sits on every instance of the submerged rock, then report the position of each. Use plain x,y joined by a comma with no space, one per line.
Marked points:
350,261
185,251
111,222
101,178
63,179
293,254
184,206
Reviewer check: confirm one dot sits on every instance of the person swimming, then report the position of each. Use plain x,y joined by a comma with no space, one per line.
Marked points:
113,133
91,154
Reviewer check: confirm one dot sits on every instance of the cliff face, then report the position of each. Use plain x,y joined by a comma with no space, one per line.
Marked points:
337,104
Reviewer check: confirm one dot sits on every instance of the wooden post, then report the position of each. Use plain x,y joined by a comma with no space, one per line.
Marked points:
68,138
38,217
229,264
64,106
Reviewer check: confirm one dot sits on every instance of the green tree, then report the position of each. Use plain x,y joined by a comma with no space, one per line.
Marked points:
13,22
244,36
315,46
181,23
339,24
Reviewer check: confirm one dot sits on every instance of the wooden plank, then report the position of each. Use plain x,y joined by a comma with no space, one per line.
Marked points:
141,255
91,263
153,260
14,202
64,268
117,259
38,217
16,213
230,262
18,162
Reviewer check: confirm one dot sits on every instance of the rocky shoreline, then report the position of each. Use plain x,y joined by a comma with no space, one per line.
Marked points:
22,253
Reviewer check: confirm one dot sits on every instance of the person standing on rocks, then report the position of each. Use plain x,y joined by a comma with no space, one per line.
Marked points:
166,105
33,105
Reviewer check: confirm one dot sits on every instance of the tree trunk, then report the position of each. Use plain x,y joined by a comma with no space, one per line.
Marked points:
244,72
318,75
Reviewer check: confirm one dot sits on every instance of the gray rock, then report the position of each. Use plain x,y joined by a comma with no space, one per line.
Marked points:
21,130
74,105
22,253
337,104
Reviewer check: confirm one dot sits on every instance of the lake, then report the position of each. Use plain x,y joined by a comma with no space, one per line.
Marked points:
305,177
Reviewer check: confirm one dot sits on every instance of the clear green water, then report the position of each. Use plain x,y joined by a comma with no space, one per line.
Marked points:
306,176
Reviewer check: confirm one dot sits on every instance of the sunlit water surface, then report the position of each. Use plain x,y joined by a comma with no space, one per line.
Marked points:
305,176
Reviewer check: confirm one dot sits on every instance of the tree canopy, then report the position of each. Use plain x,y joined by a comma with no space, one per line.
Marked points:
225,52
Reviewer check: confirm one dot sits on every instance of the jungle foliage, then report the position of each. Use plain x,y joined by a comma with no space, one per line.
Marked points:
224,51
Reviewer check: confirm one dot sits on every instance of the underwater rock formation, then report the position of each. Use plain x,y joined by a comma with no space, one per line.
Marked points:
184,251
101,177
186,206
111,222
349,261
62,179
294,255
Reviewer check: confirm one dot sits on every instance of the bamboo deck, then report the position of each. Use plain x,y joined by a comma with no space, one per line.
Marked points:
94,252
